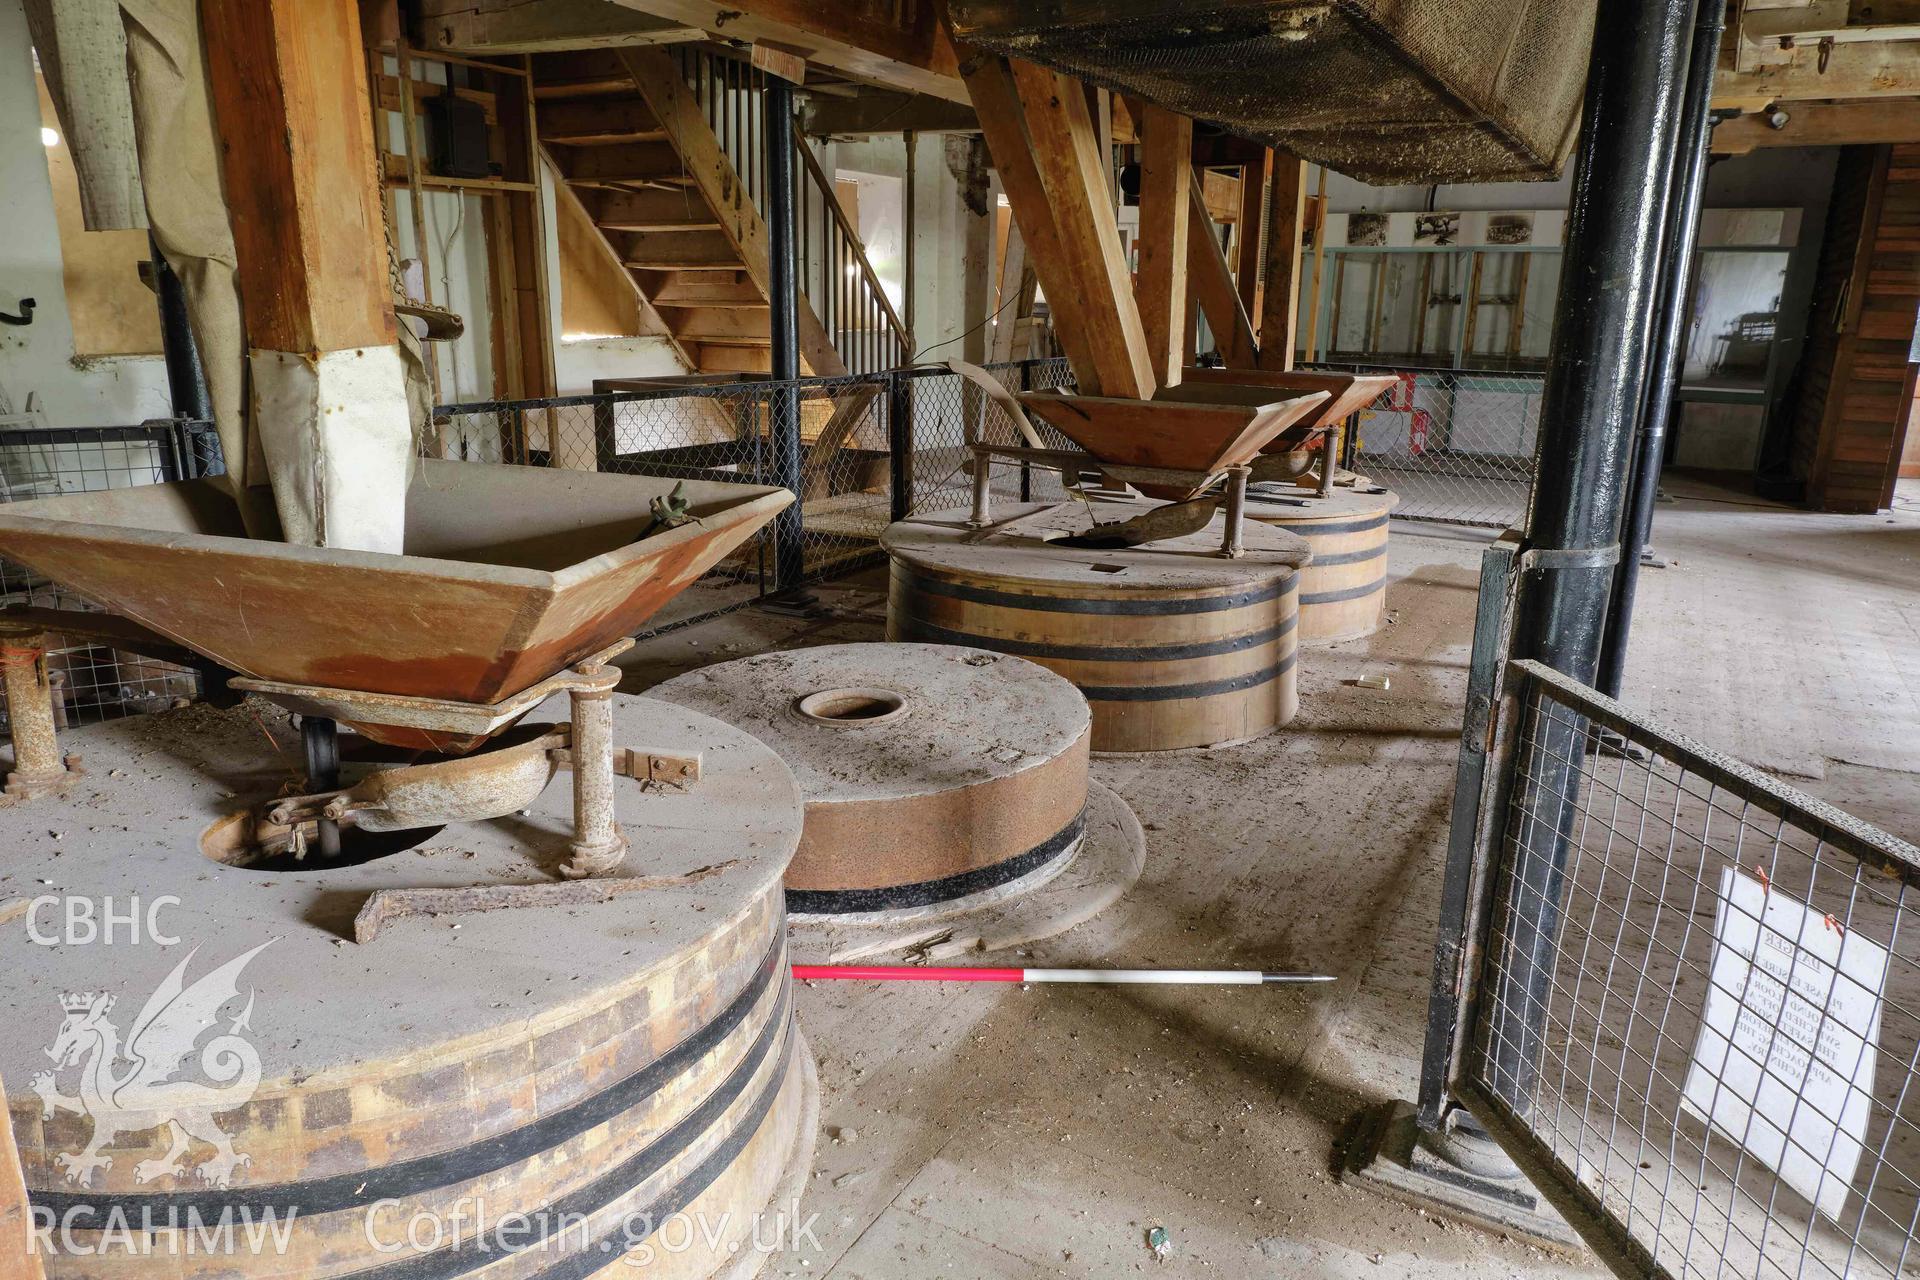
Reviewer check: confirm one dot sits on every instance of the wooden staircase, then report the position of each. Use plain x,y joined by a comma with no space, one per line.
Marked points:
662,151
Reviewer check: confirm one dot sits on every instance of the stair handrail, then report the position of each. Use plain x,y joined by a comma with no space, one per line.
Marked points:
867,274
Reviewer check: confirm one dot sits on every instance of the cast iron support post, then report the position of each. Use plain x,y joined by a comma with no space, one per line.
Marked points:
783,302
899,444
1669,356
186,380
1596,378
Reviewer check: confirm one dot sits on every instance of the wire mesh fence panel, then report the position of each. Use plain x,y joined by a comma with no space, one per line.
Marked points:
1699,1006
94,682
1457,446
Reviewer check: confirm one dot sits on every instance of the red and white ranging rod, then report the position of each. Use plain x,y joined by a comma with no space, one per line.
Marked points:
1101,977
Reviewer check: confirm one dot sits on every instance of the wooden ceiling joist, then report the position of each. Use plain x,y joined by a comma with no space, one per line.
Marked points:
897,44
534,26
1819,124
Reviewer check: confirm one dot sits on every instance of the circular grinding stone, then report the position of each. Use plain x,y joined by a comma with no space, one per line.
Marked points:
933,774
613,1056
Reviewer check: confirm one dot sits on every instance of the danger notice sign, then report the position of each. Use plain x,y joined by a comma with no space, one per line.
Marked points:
1784,1061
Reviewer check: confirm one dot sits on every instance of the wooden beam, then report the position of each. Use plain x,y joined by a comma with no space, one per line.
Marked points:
1850,71
536,26
1014,303
1002,120
865,39
517,151
875,111
705,164
1250,231
1166,181
1213,287
290,92
1074,170
1820,124
1280,306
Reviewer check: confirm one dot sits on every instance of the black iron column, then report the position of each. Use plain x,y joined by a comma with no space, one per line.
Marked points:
1597,374
783,302
1669,355
186,380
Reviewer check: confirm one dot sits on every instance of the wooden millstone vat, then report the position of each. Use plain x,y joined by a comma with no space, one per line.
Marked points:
1172,644
1343,592
626,1073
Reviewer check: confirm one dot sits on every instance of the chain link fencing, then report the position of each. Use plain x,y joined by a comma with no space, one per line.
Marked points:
95,682
1456,445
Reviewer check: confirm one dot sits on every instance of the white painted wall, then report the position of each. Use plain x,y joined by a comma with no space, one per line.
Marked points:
37,361
939,231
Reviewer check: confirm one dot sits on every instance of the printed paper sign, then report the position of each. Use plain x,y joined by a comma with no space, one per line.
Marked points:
1790,1038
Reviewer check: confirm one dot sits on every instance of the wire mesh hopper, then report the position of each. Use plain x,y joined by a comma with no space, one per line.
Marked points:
1386,91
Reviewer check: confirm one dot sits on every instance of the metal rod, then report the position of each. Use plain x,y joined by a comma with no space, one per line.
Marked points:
1233,544
1101,977
1663,385
783,302
598,844
982,514
1595,379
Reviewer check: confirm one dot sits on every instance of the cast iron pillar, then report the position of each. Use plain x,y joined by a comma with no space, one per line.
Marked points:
186,380
1596,380
783,302
1669,356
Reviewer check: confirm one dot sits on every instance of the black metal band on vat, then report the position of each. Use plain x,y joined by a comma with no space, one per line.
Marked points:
920,629
1180,692
903,897
1153,606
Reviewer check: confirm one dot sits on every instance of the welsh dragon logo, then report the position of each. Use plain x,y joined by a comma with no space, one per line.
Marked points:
132,1087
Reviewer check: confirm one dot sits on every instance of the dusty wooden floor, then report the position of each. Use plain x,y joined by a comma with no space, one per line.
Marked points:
1003,1133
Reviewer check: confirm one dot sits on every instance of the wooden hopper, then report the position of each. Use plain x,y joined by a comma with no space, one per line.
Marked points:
1347,394
1205,435
508,575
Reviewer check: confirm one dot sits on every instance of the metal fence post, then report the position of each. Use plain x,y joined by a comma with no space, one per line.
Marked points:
1026,468
900,436
783,296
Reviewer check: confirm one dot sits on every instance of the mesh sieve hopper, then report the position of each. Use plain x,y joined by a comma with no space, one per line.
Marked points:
1386,91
